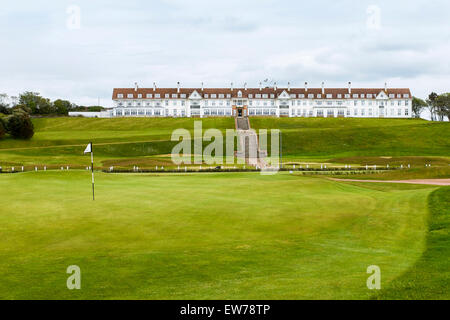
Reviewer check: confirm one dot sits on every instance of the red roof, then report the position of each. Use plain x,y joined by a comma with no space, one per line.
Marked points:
245,92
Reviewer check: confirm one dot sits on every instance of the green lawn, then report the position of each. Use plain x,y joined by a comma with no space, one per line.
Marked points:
209,236
146,141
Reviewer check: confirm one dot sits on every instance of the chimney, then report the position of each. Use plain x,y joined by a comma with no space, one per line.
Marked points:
289,87
154,86
323,87
385,87
349,87
202,86
275,87
306,86
260,86
232,86
136,86
178,87
245,86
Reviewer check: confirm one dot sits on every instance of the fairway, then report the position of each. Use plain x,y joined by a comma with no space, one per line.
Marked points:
205,236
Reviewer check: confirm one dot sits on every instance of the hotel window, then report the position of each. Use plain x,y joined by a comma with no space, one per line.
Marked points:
183,96
399,96
272,96
319,96
370,111
258,96
273,112
392,96
363,102
119,112
319,103
266,112
265,103
250,102
362,112
250,96
139,104
221,96
265,96
174,96
166,96
129,104
120,96
406,102
206,95
355,95
329,103
369,96
301,95
406,111
157,95
139,96
399,103
213,96
292,96
347,96
149,95
130,96
355,112
329,96
258,112
399,111
252,112
166,102
355,103
228,96
272,103
320,113
339,96
406,95
362,95
310,96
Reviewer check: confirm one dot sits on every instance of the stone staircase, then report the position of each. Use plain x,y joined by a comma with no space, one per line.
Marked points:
249,140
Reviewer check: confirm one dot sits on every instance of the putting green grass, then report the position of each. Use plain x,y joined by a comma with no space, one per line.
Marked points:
205,236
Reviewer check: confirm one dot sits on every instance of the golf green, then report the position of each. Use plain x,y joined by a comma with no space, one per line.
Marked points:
205,236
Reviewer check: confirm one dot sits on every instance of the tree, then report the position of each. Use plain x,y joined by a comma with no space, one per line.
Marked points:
443,106
36,103
2,129
5,109
62,106
417,106
431,103
19,125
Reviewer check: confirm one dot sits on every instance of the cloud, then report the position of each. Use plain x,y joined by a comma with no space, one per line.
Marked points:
219,42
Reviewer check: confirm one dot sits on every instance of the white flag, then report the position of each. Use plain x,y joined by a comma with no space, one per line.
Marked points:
88,148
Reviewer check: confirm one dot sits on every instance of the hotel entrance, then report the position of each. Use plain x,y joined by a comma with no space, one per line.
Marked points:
240,111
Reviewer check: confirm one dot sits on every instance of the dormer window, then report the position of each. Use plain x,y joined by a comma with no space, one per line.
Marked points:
120,96
213,96
319,96
130,96
392,96
166,96
174,96
149,96
369,95
272,95
265,96
347,96
221,96
228,95
206,95
406,95
250,96
301,95
310,96
399,95
355,95
292,96
183,96
258,96
329,96
239,94
139,96
157,95
339,96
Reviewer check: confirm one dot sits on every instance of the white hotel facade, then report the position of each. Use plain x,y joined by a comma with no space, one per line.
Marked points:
263,101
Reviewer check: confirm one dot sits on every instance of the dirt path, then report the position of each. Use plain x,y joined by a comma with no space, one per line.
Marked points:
435,182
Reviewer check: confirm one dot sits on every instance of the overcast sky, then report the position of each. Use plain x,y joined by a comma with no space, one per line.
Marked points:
116,43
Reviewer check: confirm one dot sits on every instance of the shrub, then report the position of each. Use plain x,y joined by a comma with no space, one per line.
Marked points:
20,126
2,129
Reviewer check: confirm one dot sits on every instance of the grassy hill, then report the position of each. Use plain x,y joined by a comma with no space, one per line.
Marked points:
147,141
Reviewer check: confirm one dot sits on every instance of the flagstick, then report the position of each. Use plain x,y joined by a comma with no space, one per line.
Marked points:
92,167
